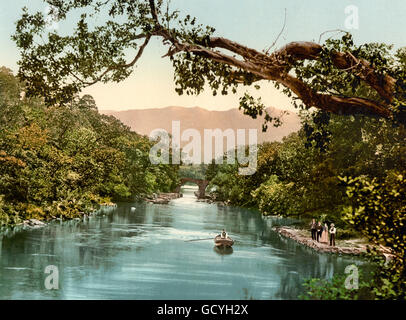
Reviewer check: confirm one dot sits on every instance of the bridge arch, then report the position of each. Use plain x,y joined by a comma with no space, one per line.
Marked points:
202,184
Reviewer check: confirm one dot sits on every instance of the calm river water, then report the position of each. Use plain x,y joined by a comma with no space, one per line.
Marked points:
144,254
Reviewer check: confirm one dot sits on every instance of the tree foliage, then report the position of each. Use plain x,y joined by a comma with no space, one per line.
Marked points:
65,160
338,77
294,178
378,211
299,176
334,289
193,171
357,181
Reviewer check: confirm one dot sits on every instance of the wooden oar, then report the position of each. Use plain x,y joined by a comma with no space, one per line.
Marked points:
199,239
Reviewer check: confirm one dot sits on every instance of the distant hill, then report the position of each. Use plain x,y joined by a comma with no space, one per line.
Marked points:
143,121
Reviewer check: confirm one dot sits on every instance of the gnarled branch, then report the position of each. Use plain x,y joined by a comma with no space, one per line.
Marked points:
276,66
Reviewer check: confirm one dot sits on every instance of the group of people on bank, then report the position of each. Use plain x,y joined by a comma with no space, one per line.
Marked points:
321,232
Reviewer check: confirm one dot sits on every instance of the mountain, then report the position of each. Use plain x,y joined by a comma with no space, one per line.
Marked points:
144,121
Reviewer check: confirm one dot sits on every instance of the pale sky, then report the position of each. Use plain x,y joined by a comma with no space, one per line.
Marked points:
255,23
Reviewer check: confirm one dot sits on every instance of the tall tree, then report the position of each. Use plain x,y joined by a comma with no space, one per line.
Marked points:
332,77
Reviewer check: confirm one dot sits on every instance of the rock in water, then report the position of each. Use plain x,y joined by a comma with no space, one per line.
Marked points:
33,223
161,201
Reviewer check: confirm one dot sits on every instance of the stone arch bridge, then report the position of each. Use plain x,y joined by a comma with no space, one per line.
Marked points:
202,184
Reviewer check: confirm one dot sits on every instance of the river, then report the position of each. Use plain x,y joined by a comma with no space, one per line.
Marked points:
144,253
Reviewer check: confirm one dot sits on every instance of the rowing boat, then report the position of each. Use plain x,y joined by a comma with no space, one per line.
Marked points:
223,242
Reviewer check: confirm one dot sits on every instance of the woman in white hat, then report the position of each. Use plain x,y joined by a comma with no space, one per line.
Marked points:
332,235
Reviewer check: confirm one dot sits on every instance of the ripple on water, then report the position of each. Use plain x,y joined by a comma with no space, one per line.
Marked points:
146,254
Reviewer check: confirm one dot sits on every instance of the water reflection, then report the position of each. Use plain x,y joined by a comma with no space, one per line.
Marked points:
223,250
143,253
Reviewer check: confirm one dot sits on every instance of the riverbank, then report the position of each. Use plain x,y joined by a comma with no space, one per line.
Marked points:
211,201
34,223
352,247
163,198
71,210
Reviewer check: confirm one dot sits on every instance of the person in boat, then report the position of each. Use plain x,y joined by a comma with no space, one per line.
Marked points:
224,234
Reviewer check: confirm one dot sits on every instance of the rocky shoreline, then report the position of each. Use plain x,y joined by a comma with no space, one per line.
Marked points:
210,200
296,235
35,223
163,198
350,247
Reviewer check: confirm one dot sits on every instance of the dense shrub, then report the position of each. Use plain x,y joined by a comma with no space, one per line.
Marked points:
63,161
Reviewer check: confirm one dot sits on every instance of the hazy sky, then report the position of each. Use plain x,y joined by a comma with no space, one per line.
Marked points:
255,23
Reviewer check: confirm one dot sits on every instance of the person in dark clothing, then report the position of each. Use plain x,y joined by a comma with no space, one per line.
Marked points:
313,229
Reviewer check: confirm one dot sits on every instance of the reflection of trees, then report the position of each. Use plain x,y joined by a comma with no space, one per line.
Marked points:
70,246
81,248
298,262
21,271
243,222
304,263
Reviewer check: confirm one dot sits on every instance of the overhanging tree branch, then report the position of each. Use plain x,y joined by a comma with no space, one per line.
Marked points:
276,66
220,61
125,66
